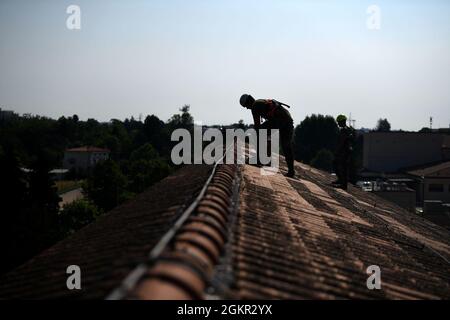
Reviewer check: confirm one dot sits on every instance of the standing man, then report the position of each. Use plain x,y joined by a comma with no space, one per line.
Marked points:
343,152
276,117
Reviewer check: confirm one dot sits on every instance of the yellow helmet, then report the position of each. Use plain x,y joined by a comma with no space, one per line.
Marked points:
341,118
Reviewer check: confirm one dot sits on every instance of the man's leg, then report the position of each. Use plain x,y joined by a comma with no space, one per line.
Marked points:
266,125
345,170
286,143
342,171
336,169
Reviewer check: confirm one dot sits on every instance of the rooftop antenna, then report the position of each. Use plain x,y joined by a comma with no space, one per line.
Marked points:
351,122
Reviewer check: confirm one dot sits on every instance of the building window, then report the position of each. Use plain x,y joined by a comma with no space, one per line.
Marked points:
436,187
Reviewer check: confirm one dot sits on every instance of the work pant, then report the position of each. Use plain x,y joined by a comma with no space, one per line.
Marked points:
286,130
341,167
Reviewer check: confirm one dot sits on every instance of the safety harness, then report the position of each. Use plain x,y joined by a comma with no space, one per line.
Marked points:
273,106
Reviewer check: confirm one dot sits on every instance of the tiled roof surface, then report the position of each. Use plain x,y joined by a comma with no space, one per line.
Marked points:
251,236
436,170
301,238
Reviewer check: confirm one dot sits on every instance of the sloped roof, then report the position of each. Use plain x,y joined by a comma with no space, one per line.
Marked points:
251,236
301,238
108,249
437,170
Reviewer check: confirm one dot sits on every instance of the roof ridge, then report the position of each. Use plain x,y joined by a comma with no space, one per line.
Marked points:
182,264
189,239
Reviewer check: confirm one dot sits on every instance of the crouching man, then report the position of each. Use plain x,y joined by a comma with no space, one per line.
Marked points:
276,117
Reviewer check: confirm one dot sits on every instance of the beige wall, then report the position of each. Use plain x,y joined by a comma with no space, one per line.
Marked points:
391,151
444,196
83,160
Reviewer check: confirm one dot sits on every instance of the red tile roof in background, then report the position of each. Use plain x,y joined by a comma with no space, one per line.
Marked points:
435,170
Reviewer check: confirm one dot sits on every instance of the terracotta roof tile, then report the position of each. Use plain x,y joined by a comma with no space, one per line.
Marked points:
284,248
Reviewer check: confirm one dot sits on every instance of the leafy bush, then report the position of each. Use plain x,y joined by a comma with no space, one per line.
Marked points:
76,215
323,160
314,133
106,185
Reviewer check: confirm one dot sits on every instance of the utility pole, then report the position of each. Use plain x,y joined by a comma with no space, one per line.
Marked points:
351,122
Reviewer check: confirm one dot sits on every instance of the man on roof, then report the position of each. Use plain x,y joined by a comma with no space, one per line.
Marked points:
343,152
276,117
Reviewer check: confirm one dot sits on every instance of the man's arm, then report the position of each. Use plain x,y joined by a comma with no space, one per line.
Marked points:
256,119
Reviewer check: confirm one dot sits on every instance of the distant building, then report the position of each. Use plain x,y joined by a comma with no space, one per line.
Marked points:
417,160
82,159
434,181
58,174
433,192
388,152
6,114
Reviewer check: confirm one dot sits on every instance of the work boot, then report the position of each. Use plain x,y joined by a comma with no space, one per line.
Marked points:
290,174
340,186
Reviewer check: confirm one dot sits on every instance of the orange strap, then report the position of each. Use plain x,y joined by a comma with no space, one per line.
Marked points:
272,107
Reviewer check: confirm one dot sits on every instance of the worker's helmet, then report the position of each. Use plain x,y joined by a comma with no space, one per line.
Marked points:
341,118
246,100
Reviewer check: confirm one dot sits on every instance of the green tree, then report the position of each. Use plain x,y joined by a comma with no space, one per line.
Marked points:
157,134
145,152
15,239
106,186
44,200
314,133
76,215
12,182
323,160
425,130
152,126
383,125
146,168
183,120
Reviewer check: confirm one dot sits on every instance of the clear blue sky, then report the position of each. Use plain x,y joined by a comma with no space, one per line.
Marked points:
143,57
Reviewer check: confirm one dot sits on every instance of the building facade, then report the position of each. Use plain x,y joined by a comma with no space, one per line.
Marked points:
434,182
6,114
82,159
389,152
